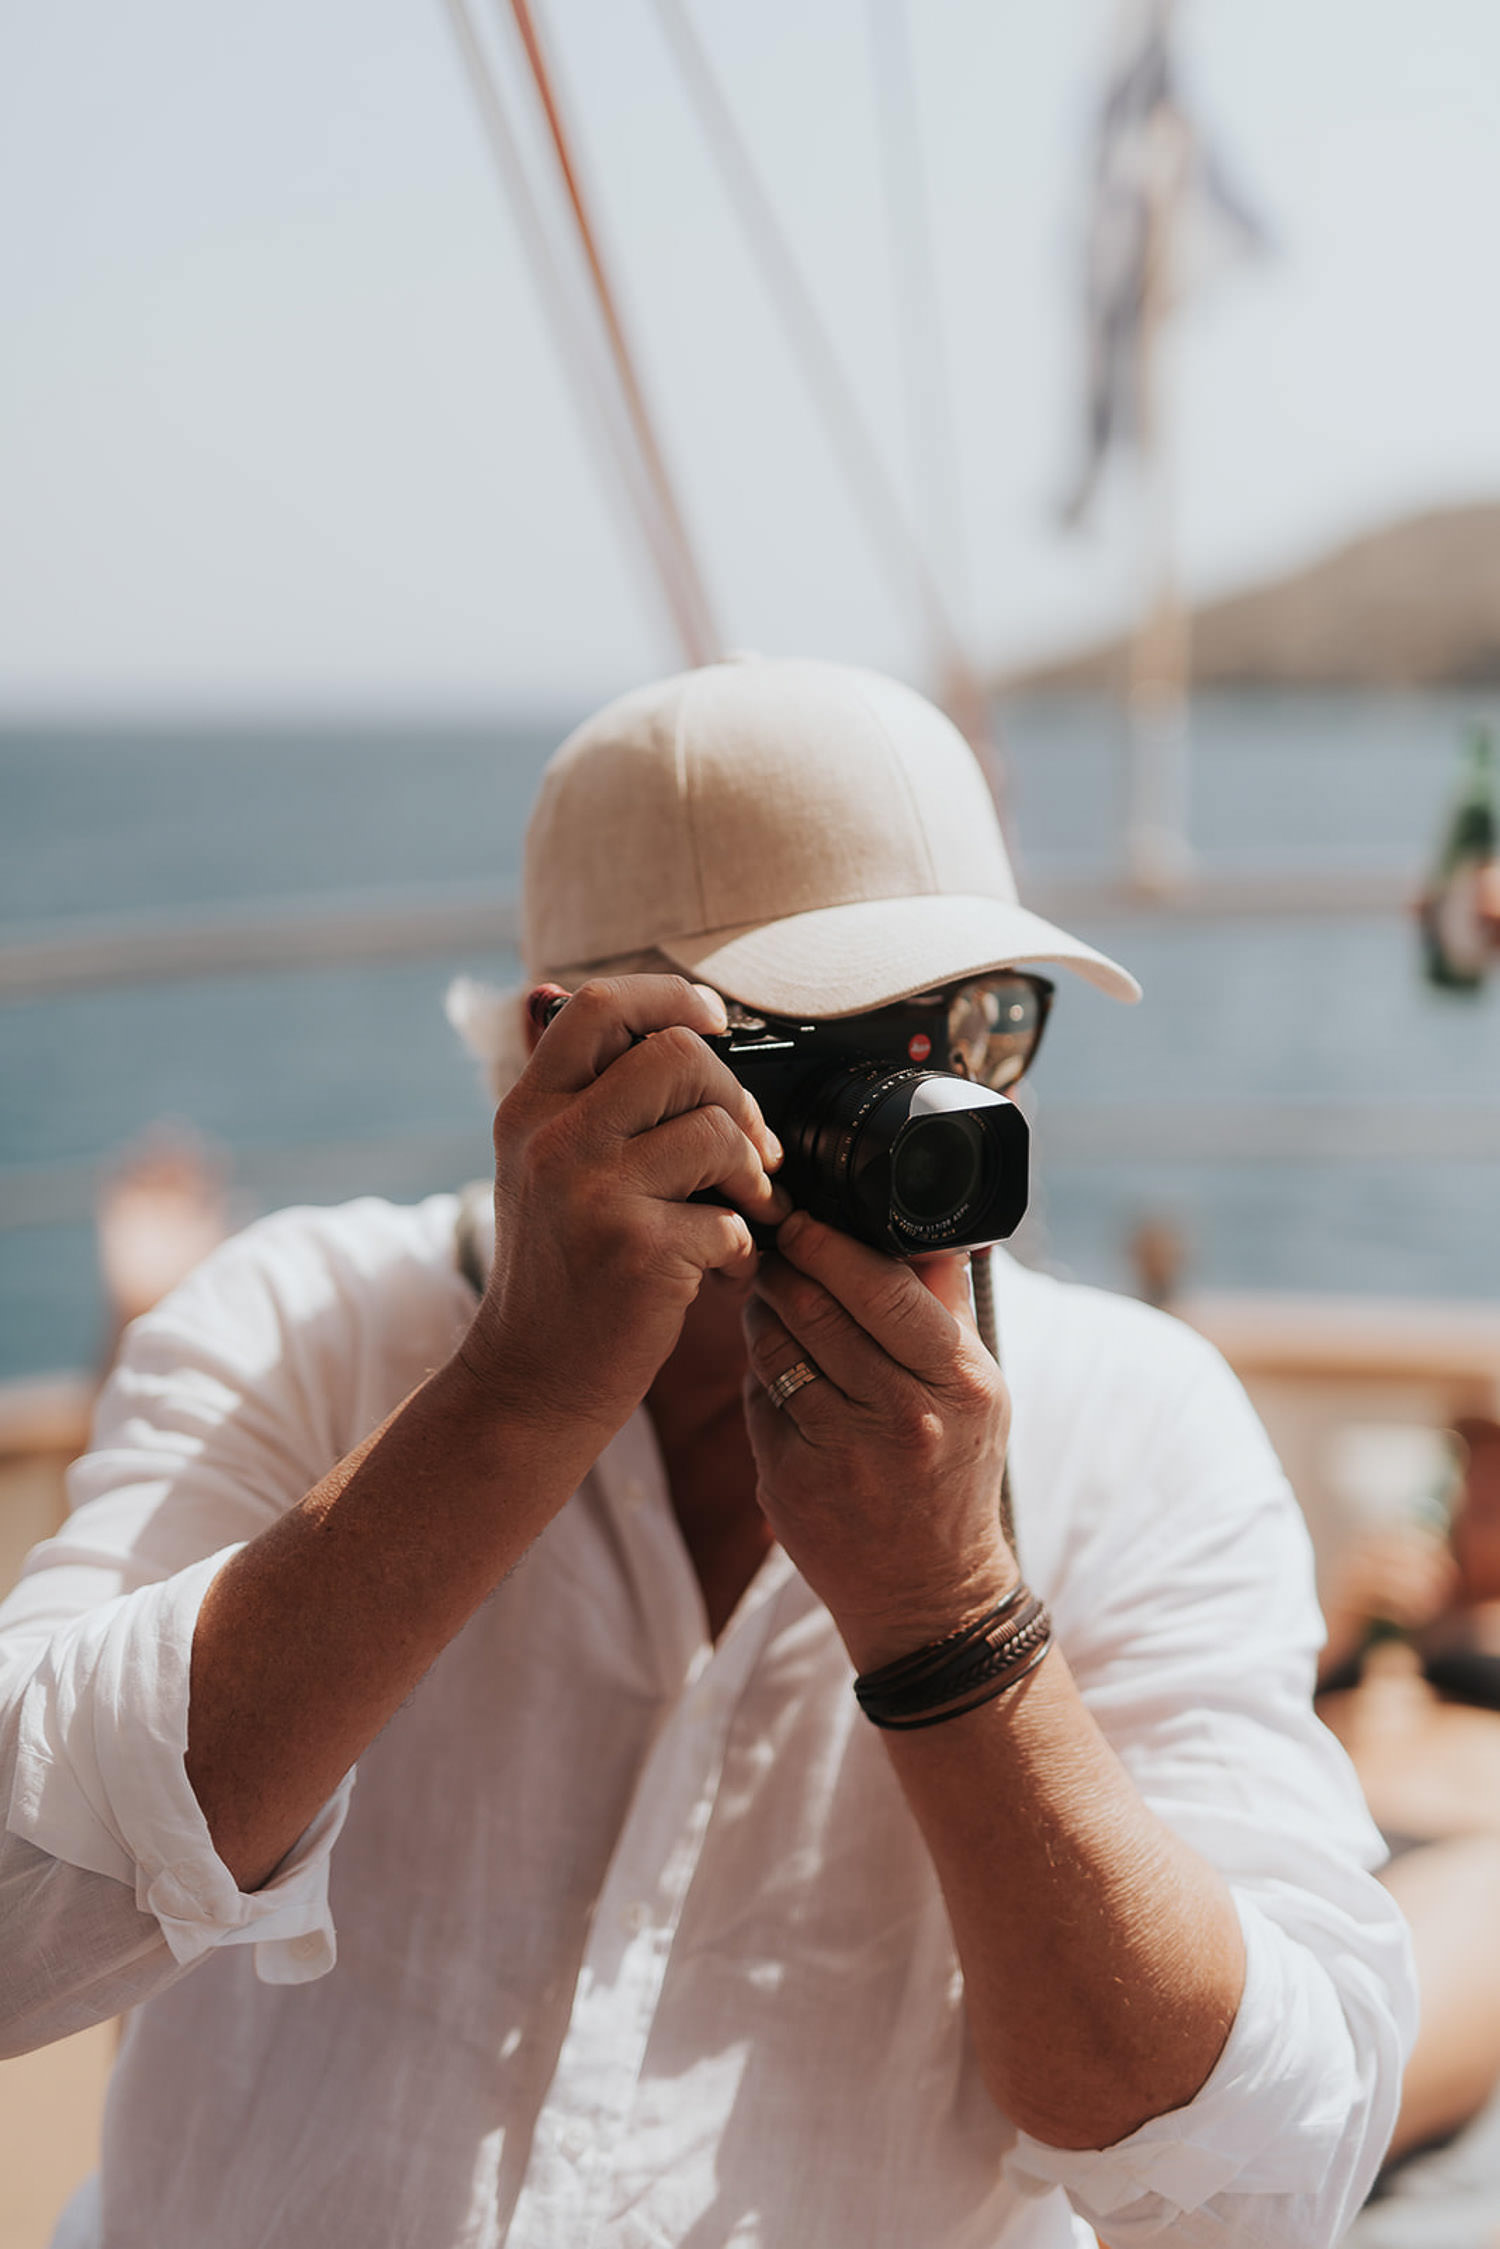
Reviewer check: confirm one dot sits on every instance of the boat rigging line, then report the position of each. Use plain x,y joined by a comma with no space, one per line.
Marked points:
854,449
604,366
599,362
579,349
701,636
921,333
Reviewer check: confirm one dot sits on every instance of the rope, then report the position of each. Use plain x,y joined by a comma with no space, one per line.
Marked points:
696,626
918,300
578,347
833,397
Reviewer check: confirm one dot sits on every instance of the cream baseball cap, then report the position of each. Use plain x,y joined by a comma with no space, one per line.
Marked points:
806,837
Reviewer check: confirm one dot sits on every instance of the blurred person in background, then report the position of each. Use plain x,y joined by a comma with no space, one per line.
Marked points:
569,1545
160,1210
1410,1682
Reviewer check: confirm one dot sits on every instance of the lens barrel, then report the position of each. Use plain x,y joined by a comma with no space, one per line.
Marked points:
937,1167
908,1160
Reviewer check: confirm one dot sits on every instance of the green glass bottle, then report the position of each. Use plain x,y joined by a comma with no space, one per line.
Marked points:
1457,938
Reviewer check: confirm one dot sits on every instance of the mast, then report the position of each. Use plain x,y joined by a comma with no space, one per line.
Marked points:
1154,171
688,593
580,347
1158,853
597,357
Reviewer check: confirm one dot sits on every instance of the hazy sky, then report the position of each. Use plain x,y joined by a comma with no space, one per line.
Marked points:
283,426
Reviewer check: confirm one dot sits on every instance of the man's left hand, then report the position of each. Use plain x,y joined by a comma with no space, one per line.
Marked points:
882,1478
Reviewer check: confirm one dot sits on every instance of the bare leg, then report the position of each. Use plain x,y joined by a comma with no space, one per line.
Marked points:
1450,1894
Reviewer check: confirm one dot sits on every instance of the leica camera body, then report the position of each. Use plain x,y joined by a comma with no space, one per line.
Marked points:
909,1158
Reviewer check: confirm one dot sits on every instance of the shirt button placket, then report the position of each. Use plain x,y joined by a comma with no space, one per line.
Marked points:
624,1968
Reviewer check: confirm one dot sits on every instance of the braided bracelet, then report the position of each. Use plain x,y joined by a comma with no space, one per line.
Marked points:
958,1673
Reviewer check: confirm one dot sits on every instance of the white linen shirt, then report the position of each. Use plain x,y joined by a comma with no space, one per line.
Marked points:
637,1943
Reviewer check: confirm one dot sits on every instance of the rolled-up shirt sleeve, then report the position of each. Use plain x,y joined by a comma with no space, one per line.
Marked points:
1273,2147
101,1782
219,1416
1188,1617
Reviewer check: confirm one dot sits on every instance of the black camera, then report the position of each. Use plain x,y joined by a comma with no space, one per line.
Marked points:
908,1158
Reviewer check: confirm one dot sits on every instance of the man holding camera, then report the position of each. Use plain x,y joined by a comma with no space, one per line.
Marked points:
650,1930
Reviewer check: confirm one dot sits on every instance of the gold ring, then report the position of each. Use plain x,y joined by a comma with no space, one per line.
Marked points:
794,1378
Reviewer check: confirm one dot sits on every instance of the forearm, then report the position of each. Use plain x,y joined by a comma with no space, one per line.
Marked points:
313,1635
1102,1957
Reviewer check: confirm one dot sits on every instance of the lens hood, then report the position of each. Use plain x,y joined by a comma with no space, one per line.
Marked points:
910,1161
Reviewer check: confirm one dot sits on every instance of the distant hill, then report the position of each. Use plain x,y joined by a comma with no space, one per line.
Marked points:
1416,604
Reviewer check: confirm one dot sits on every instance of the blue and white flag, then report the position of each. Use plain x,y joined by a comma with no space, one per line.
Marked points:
1161,197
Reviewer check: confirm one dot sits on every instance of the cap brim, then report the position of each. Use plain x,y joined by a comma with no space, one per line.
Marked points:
839,960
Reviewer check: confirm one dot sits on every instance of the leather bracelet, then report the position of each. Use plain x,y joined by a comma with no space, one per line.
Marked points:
970,1666
984,1664
952,1655
925,1659
958,1673
964,1688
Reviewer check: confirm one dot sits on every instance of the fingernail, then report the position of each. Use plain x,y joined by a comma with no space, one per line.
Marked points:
794,1226
721,1012
776,1154
543,1002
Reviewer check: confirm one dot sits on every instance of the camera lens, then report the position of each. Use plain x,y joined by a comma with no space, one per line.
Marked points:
936,1168
910,1160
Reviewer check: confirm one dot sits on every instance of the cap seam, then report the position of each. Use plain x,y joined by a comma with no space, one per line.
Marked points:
933,887
686,795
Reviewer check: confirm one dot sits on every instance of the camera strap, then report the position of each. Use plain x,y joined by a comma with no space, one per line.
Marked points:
982,1285
474,1233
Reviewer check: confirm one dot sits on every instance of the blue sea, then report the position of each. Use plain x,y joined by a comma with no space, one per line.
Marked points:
1291,1096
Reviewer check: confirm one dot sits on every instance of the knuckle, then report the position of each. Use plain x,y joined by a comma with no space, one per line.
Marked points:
594,996
509,1129
891,1297
721,1130
763,1343
933,1422
807,1302
550,1154
713,1141
929,1433
976,1389
734,1235
917,1426
745,1104
622,1242
678,1044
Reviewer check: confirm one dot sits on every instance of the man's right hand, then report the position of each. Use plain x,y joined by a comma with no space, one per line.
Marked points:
316,1631
622,1115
